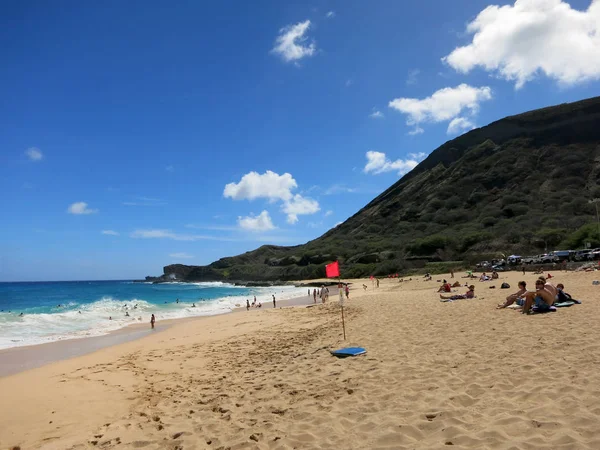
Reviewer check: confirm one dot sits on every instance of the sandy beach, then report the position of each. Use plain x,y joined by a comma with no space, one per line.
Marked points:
460,374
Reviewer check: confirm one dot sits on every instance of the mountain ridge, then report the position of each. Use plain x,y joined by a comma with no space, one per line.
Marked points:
519,184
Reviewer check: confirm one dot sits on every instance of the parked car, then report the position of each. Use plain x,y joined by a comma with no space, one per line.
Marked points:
498,268
543,259
527,259
483,265
561,255
594,254
581,255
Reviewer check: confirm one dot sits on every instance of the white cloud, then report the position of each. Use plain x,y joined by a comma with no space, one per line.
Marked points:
291,42
110,233
34,154
458,125
80,208
299,205
330,15
262,222
268,185
328,213
412,77
418,156
273,187
181,255
168,234
170,168
339,189
416,130
378,163
533,36
442,105
376,114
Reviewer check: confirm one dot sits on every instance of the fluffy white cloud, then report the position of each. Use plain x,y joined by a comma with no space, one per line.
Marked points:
80,208
459,125
328,213
378,163
34,154
330,15
273,187
299,205
376,114
268,185
517,42
442,105
181,255
291,42
262,222
110,232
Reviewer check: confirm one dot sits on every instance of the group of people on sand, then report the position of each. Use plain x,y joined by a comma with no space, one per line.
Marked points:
493,276
543,298
322,293
255,304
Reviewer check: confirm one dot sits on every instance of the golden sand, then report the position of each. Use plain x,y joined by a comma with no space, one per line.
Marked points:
435,375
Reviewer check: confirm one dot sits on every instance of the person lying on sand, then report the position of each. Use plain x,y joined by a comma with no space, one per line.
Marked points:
512,298
445,287
469,294
542,298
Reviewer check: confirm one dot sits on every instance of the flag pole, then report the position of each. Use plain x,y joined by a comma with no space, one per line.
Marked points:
342,305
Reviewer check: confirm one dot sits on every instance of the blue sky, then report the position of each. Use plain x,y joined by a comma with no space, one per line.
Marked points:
140,134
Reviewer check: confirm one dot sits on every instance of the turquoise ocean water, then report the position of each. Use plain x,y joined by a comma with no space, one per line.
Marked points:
75,309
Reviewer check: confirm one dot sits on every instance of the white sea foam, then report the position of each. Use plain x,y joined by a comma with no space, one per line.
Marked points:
68,323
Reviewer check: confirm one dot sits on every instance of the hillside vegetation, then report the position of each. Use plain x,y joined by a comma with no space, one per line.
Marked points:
519,185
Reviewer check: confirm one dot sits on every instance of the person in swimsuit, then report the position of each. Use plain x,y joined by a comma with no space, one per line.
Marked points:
469,294
512,298
543,298
152,321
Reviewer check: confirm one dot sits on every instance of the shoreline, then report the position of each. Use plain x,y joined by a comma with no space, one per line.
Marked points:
18,359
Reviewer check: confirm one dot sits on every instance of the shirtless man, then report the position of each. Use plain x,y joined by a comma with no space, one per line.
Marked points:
514,297
543,297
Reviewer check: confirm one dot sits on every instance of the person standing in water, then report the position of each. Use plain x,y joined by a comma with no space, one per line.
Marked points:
152,320
274,303
247,305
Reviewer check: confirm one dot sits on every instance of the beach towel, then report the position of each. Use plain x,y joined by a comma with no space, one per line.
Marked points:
348,351
564,304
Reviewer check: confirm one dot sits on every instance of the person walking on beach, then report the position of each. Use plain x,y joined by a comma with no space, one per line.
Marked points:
247,305
274,303
347,292
152,320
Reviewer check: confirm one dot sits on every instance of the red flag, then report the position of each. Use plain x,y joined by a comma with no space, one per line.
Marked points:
332,270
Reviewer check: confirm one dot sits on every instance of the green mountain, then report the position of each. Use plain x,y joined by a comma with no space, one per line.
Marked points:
519,185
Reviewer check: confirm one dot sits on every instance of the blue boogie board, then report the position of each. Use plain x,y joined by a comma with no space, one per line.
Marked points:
348,351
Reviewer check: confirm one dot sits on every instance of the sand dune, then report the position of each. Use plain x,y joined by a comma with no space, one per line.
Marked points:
459,374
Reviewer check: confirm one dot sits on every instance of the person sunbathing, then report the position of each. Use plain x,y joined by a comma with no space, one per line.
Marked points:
469,294
456,284
495,275
542,298
445,287
516,297
484,277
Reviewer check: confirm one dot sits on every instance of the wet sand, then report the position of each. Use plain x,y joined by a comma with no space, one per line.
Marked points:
18,359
